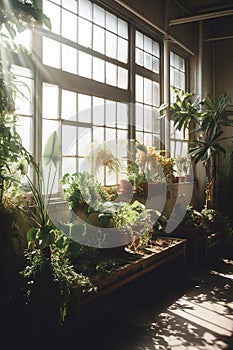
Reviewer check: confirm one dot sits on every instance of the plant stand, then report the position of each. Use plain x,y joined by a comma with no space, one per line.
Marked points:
132,265
195,246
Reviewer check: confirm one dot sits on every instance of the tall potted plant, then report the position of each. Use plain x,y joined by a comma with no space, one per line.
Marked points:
205,121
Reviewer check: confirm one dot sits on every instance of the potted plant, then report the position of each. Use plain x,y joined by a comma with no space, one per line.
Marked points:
102,156
205,121
49,274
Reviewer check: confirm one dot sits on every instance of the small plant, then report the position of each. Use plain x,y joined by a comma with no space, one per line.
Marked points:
102,156
81,189
212,218
57,272
192,218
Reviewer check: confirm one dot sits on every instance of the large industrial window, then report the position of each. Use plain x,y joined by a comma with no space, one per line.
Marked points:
89,71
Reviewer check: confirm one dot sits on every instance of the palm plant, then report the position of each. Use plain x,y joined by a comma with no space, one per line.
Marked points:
209,117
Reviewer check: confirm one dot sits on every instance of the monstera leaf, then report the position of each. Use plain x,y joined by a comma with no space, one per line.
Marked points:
52,150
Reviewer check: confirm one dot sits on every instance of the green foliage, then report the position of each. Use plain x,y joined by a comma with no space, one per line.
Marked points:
81,188
64,277
222,222
101,156
208,117
192,218
124,215
15,16
52,150
184,110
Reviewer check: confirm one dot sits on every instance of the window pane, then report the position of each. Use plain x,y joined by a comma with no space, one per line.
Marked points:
98,69
139,88
139,137
111,136
139,57
24,127
84,141
110,114
122,143
111,22
70,5
98,39
68,110
122,114
69,140
68,165
111,74
69,59
51,53
148,139
147,44
139,40
156,94
84,108
122,28
84,33
53,12
156,121
24,38
111,45
85,9
23,101
98,111
147,61
50,93
139,117
98,135
49,126
122,78
85,63
148,119
69,25
122,50
148,91
155,49
155,65
99,15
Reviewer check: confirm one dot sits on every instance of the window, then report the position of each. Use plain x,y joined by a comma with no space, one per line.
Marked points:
147,90
86,83
97,46
24,105
179,139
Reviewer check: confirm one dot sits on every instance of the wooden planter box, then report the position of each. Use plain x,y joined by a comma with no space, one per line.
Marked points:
131,265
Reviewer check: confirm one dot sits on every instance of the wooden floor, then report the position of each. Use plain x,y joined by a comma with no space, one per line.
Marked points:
196,313
167,309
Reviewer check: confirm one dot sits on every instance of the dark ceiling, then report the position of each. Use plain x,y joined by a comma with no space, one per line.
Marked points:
195,7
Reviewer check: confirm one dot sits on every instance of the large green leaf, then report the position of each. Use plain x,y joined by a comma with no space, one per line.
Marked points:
52,150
